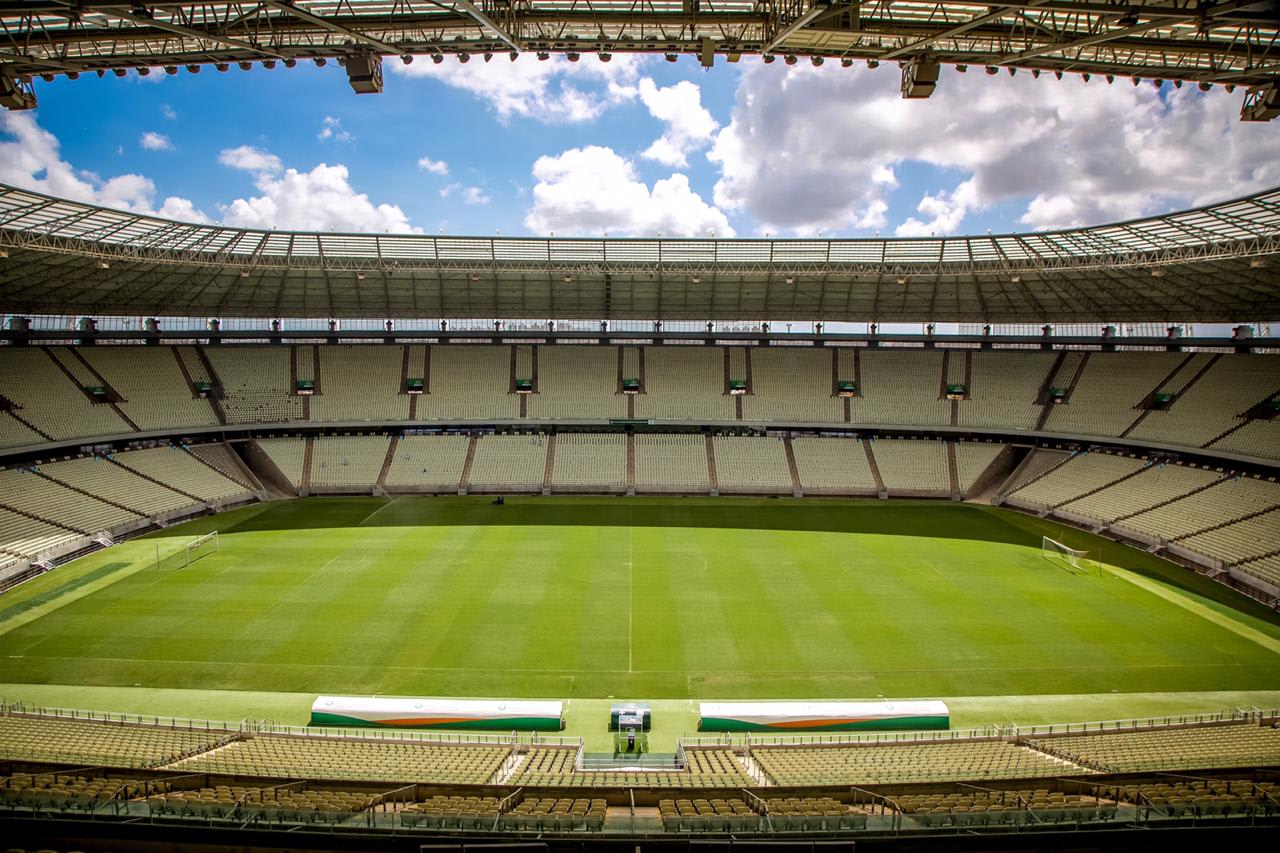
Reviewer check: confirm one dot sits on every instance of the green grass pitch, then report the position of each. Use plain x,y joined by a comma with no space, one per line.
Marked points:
639,598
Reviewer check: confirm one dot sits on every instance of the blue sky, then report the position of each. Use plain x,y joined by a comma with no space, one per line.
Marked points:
746,149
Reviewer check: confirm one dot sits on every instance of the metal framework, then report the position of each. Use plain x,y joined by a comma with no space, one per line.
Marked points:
1234,42
1219,263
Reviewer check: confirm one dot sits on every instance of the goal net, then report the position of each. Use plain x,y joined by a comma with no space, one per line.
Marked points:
189,552
1071,559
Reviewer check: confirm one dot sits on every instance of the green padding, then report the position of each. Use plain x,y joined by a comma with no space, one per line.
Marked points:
504,724
728,724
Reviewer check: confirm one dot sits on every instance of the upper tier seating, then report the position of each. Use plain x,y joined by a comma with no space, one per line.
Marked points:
155,393
1112,384
1236,745
515,463
1253,438
87,744
892,764
1003,389
576,381
348,461
376,760
671,463
1211,406
50,401
705,767
590,462
912,467
360,383
791,384
470,383
901,386
751,465
257,384
685,383
428,463
833,466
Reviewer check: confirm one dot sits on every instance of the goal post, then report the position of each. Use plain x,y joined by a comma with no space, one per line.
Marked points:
1071,559
188,552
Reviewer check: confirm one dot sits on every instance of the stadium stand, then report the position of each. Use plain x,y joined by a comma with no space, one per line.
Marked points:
556,814
23,536
427,463
913,468
1200,797
1083,473
1156,484
220,457
1240,540
154,393
1004,389
50,401
899,763
292,802
1213,403
901,387
705,767
1244,744
347,461
288,454
1002,806
715,814
671,463
98,476
257,384
1259,438
1105,399
509,463
82,791
972,461
470,383
61,505
751,465
360,383
1221,503
685,383
811,814
833,466
577,382
359,759
178,469
590,463
84,743
792,384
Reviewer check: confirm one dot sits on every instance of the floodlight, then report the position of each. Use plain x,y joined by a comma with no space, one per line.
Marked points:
268,64
464,57
816,60
119,72
144,71
171,70
320,62
543,56
919,78
290,63
790,59
572,56
846,62
245,66
768,58
364,72
407,59
873,63
671,57
605,57
437,58
992,70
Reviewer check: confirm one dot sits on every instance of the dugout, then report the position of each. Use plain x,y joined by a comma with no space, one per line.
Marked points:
822,716
414,713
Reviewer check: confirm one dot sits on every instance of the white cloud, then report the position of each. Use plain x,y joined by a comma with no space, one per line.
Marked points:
152,141
250,159
550,91
469,195
320,200
435,167
593,190
689,124
812,148
31,158
168,112
331,128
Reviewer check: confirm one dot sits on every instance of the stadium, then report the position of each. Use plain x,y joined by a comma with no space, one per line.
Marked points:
317,540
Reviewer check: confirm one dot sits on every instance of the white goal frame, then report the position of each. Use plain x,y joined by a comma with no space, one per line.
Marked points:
199,547
1071,559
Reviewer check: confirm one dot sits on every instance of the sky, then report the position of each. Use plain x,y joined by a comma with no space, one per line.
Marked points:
635,147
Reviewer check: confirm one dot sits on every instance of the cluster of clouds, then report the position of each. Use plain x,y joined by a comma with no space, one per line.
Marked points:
803,150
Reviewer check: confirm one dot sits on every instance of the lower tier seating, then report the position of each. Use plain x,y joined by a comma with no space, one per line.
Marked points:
1234,745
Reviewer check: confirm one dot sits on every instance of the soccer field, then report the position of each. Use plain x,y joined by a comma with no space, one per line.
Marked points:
642,598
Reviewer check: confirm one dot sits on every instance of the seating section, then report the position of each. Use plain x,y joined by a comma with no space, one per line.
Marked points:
1212,405
223,459
1156,484
586,462
972,461
556,813
1254,438
54,502
912,467
348,461
1037,464
288,454
515,463
375,760
720,815
360,383
292,802
155,393
1266,567
833,466
452,812
1200,797
671,463
46,398
901,387
791,384
1241,541
175,467
470,383
80,791
1083,473
1003,391
979,807
556,767
99,476
89,744
1231,499
685,383
751,465
577,381
892,764
1234,745
257,383
1112,385
22,536
428,463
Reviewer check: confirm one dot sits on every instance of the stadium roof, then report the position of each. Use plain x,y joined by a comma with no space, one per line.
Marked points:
1232,42
1219,263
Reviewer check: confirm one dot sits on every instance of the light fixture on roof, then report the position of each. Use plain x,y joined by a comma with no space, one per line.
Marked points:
268,64
697,279
902,280
171,70
407,59
144,71
4,253
573,56
1157,273
245,66
543,56
815,61
672,57
962,68
437,58
75,75
290,62
605,57
513,55
244,273
119,72
320,62
768,58
846,63
1254,263
873,63
992,70
1015,278
222,66
103,265
359,276
475,277
488,57
790,59
1205,85
790,279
